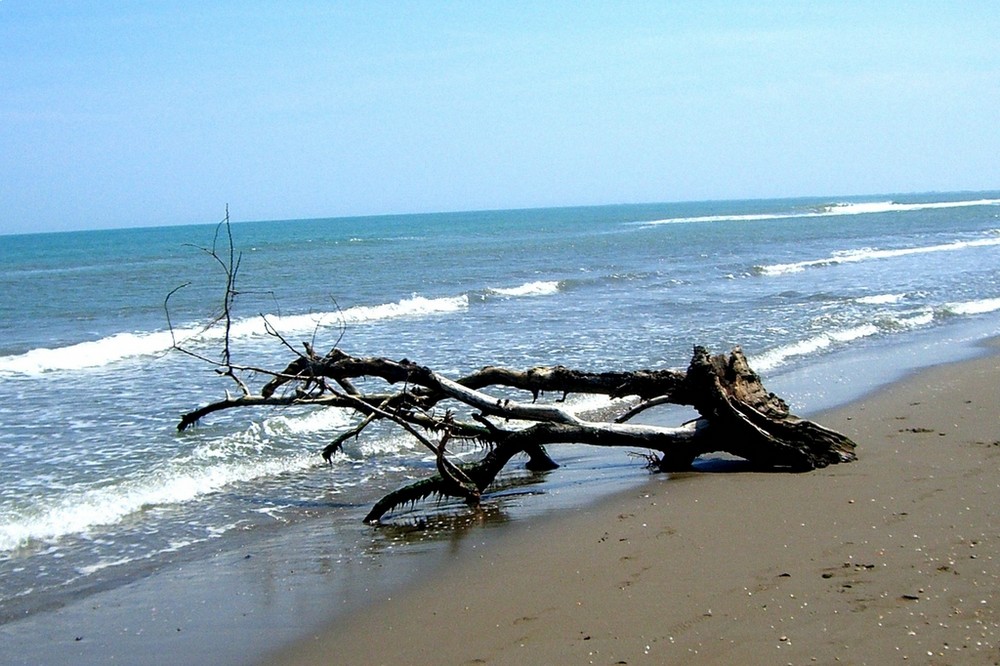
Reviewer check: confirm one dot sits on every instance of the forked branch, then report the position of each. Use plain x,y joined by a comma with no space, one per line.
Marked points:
737,415
491,407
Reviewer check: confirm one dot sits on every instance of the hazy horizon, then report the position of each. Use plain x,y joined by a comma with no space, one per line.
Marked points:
122,115
831,199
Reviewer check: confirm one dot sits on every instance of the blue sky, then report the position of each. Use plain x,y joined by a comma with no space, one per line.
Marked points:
146,113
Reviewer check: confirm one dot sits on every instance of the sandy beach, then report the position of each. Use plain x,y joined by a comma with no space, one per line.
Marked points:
892,559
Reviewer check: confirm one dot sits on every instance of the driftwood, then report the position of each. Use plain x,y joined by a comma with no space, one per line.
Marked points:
737,415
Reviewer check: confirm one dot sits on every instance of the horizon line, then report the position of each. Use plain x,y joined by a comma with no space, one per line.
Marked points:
834,198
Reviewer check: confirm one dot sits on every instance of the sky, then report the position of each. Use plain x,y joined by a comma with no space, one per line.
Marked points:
144,113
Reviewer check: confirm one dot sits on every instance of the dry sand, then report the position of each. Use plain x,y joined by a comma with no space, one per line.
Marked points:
892,559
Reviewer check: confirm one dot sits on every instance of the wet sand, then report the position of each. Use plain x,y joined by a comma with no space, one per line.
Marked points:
892,559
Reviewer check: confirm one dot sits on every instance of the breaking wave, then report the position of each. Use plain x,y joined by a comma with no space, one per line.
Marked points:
777,357
881,325
864,208
880,299
871,254
981,306
252,454
541,288
121,346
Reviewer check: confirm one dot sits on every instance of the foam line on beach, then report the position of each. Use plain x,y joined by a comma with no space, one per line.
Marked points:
774,358
76,513
880,323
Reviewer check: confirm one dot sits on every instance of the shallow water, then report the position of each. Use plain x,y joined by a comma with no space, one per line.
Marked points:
99,490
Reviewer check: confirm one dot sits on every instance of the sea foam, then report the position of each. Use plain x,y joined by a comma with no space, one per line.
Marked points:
120,346
212,465
880,299
981,306
540,288
885,324
777,357
77,513
863,208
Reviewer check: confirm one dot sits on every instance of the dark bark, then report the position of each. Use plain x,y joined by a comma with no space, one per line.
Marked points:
737,415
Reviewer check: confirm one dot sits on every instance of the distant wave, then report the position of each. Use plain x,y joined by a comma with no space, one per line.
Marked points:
845,208
880,299
862,208
541,288
121,346
750,217
384,239
870,254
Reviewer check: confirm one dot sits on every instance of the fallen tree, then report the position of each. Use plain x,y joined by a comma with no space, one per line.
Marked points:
737,415
489,408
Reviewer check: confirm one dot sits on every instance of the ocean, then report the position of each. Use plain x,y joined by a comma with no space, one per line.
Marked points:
99,490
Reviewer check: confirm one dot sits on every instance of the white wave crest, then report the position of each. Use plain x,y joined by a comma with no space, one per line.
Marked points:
872,254
752,217
863,208
379,446
846,208
86,354
315,421
889,324
580,405
973,307
777,357
541,288
79,512
880,299
259,438
414,306
120,346
921,318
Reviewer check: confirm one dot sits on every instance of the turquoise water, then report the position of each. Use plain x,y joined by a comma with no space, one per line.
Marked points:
99,488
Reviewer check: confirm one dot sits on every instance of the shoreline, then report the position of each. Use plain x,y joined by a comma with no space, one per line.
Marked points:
513,571
892,558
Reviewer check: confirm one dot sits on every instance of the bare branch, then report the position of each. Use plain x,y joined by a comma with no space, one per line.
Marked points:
736,414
